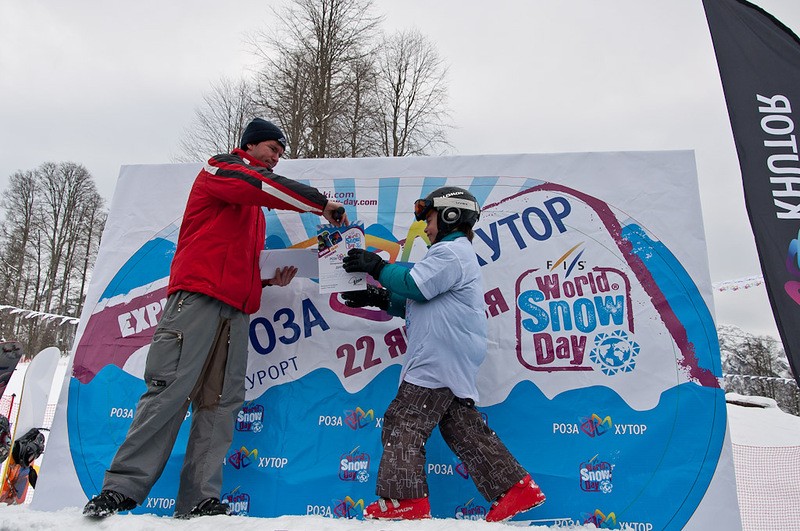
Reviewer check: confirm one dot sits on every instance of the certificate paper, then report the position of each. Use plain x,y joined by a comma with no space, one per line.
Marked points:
305,260
334,242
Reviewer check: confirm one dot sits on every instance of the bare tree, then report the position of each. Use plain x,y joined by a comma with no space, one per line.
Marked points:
757,365
18,203
283,91
94,219
53,217
65,189
412,93
361,116
334,86
307,68
219,123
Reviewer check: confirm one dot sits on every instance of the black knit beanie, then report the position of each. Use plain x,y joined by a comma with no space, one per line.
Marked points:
259,130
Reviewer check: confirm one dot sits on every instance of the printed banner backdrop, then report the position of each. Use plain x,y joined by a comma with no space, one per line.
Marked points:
759,64
603,363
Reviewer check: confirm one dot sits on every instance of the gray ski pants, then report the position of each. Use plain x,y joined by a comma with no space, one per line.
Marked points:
198,355
409,422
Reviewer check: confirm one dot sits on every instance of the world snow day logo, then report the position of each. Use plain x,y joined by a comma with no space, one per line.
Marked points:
250,418
471,510
238,501
580,299
354,466
567,315
596,476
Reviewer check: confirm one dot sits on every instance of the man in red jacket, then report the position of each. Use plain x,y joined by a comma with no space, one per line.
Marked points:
198,353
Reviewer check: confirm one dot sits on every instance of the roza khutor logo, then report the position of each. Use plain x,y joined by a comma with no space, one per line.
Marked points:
242,458
594,426
355,419
348,508
601,520
358,418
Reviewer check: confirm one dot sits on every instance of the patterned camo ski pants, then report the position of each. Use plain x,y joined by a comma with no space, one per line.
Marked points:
409,422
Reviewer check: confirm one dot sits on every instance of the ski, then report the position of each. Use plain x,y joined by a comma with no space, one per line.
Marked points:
20,470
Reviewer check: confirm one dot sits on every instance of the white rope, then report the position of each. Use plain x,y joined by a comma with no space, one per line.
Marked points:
753,377
735,285
30,314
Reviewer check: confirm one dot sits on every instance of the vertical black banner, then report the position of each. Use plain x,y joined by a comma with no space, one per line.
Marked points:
759,64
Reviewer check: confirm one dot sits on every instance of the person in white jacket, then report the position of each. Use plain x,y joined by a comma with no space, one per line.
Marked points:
441,298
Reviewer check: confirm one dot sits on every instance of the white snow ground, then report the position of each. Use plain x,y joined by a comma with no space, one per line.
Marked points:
758,423
21,518
766,425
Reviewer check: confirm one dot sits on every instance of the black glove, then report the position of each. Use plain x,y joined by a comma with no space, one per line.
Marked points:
358,260
373,296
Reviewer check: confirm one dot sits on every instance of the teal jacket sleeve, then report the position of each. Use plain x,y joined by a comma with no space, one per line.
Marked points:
398,280
397,305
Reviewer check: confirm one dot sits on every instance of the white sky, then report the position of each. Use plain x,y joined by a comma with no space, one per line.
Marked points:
116,82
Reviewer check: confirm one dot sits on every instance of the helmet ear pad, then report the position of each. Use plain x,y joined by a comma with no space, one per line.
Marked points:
450,215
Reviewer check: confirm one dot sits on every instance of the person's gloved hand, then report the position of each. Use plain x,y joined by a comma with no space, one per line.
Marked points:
358,260
372,296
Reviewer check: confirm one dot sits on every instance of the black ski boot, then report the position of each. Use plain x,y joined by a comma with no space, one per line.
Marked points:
106,503
207,507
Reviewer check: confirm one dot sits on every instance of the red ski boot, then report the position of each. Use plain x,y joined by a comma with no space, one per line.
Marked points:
523,496
391,509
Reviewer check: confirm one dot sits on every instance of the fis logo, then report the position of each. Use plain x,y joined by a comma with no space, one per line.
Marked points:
250,418
242,458
357,418
470,511
239,502
594,426
567,264
354,466
595,476
348,508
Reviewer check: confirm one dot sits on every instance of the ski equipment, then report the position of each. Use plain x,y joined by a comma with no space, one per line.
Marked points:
10,353
358,260
21,471
392,509
5,438
28,448
208,507
372,296
106,503
455,207
523,496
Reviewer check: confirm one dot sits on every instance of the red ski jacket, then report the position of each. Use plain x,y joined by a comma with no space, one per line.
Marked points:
223,229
